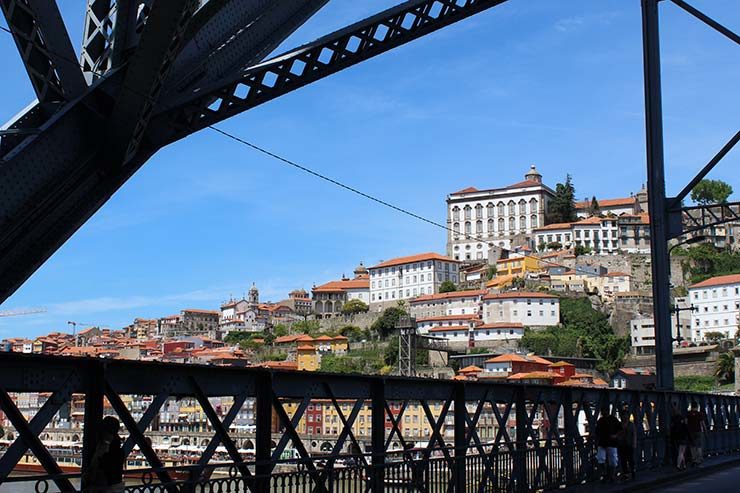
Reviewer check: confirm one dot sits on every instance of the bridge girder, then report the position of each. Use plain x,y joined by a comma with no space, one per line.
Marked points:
151,73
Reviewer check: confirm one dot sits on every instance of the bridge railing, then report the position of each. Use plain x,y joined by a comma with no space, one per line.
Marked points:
388,433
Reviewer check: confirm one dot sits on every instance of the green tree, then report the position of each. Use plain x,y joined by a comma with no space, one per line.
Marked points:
562,207
354,334
447,287
705,261
714,337
491,272
280,330
542,343
387,321
594,209
354,306
310,327
337,363
554,245
694,383
725,370
711,192
518,283
582,250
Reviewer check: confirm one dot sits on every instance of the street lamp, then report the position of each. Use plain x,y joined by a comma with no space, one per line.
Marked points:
677,309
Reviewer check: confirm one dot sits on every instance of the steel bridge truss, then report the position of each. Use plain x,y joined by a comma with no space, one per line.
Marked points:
535,434
151,73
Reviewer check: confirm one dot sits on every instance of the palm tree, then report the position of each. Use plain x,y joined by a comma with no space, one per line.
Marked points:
725,370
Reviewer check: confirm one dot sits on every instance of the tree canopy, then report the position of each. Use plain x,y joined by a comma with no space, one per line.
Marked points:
387,322
562,207
354,306
705,261
594,209
447,287
583,332
711,192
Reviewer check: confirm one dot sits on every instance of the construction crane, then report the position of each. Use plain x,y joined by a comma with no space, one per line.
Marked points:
74,329
21,311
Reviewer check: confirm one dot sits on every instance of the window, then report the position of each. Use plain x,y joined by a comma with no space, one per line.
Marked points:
478,211
512,208
501,224
479,227
500,208
522,206
490,226
489,209
511,224
533,221
456,213
467,211
522,222
467,228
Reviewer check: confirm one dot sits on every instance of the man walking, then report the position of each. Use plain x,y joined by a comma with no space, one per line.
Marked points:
697,425
608,429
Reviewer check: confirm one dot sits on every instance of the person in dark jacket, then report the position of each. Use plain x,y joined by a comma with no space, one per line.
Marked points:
627,445
608,429
106,468
681,438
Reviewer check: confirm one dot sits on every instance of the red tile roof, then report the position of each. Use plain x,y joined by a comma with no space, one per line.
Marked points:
470,316
453,294
451,328
585,204
718,281
414,258
501,325
555,226
470,369
338,286
517,294
506,358
466,190
525,183
533,374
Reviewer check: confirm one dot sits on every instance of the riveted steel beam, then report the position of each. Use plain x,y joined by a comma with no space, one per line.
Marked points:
45,48
210,104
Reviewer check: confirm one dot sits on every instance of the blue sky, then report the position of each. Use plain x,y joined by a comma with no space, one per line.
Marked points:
554,83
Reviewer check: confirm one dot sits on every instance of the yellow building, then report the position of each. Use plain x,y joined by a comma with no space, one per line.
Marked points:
339,345
517,266
307,358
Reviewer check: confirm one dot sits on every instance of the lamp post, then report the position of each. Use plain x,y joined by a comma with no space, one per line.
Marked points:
675,308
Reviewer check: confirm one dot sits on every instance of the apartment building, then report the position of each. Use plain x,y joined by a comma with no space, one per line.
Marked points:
717,302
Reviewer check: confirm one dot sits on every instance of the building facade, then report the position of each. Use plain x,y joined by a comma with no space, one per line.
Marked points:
717,306
330,297
502,217
406,278
527,308
454,303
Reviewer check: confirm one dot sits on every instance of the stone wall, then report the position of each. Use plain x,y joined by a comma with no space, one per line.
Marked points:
638,265
361,320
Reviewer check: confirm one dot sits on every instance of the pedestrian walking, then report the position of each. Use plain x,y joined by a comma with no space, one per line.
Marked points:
105,474
608,429
627,445
697,424
681,438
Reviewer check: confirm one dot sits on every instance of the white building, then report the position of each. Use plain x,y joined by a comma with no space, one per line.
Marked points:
599,234
642,330
626,205
478,219
498,331
453,333
527,308
453,303
405,278
426,324
718,306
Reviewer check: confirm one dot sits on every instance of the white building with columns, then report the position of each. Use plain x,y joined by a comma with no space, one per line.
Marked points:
406,278
502,217
717,303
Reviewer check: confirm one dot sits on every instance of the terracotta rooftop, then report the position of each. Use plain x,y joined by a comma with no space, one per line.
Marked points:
451,328
718,281
453,294
466,190
414,258
517,294
343,285
626,201
469,316
471,369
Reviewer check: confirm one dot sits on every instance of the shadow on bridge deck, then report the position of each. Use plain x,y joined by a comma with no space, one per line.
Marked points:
720,474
